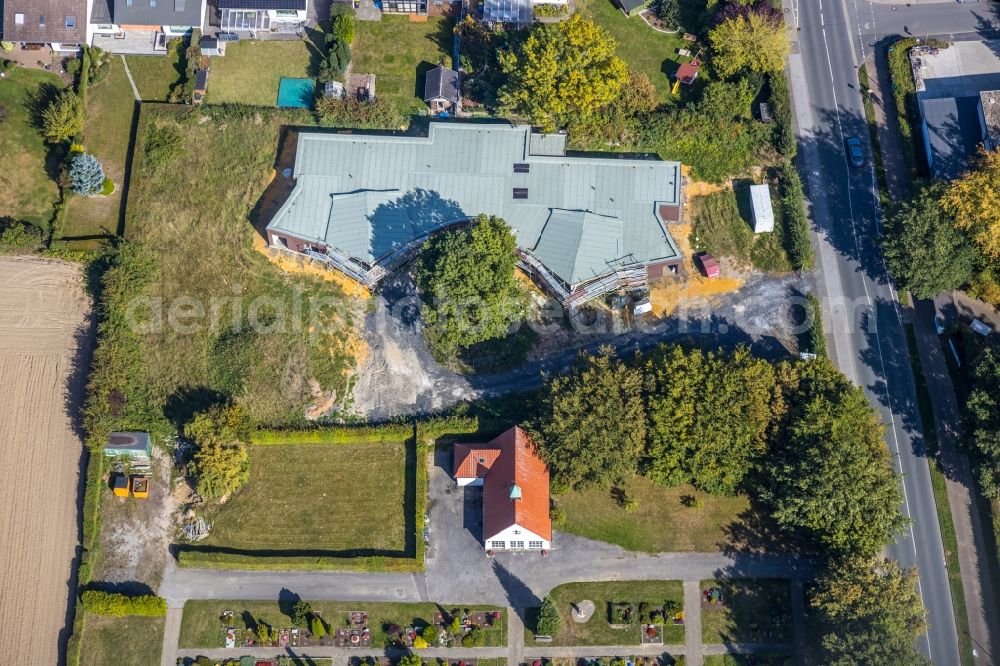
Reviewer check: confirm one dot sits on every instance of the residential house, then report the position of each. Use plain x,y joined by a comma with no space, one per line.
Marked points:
61,24
441,90
256,16
144,27
515,485
952,132
584,225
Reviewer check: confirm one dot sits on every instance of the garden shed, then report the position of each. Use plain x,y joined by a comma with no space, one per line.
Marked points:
763,214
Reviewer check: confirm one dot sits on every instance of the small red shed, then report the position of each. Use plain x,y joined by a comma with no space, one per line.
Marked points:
688,72
709,266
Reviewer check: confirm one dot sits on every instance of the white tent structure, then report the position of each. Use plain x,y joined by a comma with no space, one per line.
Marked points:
763,214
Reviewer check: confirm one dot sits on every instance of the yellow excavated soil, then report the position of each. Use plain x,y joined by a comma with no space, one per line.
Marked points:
692,288
299,264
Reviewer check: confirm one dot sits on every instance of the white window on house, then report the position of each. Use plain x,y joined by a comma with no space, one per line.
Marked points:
517,544
535,544
18,19
498,544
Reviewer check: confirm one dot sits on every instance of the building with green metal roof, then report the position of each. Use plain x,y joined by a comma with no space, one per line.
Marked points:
363,203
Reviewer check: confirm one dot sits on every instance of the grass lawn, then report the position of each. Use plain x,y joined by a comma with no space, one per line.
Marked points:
766,603
318,498
156,76
662,522
758,658
26,190
644,49
399,52
722,225
597,630
250,71
122,641
110,105
201,626
193,213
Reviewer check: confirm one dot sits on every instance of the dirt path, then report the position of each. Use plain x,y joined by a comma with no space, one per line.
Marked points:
43,317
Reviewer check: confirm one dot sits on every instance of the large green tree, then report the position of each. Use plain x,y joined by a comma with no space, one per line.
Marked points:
561,72
832,477
868,613
924,250
709,416
593,423
984,420
63,118
753,41
221,463
466,277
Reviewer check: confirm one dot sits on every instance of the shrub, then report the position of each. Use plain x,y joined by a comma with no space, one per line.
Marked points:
342,27
430,634
376,114
549,10
100,64
301,613
475,638
337,59
419,642
119,605
410,659
630,503
548,618
163,144
108,187
3,114
16,235
86,174
796,224
63,118
557,516
73,66
317,627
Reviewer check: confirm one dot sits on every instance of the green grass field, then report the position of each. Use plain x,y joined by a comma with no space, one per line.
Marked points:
764,603
250,71
156,76
27,192
662,522
110,105
201,626
122,641
722,225
194,214
644,49
318,498
597,630
399,52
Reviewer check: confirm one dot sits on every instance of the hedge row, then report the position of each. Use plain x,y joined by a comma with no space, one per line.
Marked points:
215,560
120,605
793,207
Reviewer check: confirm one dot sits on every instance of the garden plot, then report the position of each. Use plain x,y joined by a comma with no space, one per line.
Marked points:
44,345
746,611
328,499
624,612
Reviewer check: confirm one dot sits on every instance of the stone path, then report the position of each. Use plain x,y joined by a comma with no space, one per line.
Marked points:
692,623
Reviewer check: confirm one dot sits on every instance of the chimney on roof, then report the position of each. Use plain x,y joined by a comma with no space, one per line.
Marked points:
515,492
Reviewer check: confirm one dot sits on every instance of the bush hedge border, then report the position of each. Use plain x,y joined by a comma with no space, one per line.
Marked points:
423,433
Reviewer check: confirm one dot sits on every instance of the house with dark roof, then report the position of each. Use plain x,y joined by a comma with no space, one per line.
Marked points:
515,484
363,204
441,90
62,24
952,133
633,7
251,17
144,27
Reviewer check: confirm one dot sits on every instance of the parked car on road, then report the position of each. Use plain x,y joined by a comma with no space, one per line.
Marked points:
854,151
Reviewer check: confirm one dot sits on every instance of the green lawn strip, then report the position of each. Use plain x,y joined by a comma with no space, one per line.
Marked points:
757,658
399,52
122,641
251,70
940,489
642,48
883,189
722,226
27,191
597,630
156,76
666,520
201,626
317,498
110,105
766,603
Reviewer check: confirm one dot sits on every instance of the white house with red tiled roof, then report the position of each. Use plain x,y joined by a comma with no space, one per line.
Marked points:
515,485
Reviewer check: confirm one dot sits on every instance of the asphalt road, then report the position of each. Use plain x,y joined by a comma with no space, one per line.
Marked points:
862,311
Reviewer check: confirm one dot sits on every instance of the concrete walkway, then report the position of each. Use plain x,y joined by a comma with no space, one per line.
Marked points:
692,623
171,635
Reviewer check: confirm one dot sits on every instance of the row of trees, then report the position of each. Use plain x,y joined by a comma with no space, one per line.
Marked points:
947,236
718,421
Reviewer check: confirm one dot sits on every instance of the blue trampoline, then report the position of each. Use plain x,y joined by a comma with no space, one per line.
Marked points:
295,93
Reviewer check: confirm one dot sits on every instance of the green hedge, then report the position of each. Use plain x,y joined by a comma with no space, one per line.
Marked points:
796,224
119,605
381,434
216,560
